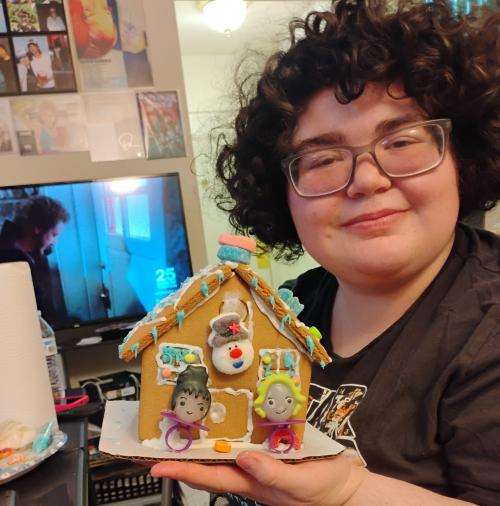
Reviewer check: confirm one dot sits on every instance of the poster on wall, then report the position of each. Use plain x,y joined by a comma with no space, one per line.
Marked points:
111,43
113,126
8,80
8,144
3,20
44,63
50,124
161,124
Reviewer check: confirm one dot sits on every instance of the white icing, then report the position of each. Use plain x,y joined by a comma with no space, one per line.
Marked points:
232,265
276,323
217,412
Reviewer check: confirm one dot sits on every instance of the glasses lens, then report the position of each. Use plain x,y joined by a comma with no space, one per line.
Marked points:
321,171
412,150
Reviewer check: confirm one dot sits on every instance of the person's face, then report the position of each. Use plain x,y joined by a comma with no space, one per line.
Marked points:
421,210
47,239
23,18
190,408
33,49
279,403
25,61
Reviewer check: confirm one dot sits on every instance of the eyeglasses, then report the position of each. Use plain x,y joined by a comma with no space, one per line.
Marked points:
407,151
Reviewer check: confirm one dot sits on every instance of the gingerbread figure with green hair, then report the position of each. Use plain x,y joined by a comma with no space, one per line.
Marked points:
278,400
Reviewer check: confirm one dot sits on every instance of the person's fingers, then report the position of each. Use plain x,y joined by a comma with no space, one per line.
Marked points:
213,477
264,468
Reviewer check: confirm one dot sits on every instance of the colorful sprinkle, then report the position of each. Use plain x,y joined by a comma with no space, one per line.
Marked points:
322,364
181,315
204,289
271,301
254,282
220,277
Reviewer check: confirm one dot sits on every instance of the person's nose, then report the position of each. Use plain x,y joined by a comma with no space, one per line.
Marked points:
368,178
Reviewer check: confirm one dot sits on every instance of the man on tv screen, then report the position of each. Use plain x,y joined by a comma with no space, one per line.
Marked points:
29,237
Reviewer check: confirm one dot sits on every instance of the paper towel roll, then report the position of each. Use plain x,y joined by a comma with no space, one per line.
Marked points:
25,393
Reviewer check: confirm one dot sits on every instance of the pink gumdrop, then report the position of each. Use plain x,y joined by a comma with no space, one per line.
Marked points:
166,372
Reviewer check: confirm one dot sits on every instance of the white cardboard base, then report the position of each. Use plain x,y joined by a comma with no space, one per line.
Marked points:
119,437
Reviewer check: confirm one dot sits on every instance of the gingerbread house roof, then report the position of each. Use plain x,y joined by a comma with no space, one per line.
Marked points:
195,291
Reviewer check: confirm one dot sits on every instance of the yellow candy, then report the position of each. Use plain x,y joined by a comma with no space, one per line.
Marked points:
166,372
222,446
190,358
266,359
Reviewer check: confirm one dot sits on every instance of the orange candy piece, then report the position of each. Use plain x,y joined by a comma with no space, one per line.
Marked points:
5,452
222,446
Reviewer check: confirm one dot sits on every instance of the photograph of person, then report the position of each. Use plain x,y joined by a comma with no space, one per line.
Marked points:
30,236
3,21
23,16
62,65
8,82
36,49
51,16
49,125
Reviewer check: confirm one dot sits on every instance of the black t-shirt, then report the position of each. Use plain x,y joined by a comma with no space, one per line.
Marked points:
421,403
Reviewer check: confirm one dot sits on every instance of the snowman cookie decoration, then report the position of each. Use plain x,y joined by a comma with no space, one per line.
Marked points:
232,350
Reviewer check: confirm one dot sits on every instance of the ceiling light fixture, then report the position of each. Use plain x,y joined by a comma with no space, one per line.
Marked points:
224,16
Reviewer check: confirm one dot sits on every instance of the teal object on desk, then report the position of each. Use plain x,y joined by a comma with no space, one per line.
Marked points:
44,438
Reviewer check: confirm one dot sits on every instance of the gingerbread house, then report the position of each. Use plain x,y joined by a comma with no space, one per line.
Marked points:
227,320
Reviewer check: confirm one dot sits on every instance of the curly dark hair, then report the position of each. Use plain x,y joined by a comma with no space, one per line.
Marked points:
42,212
447,62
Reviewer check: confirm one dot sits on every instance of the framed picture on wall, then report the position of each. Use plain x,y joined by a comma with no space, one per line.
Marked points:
8,78
44,63
33,34
161,124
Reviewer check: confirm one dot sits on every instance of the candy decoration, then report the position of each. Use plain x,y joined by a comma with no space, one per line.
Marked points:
204,289
135,349
222,446
154,333
166,372
234,254
239,241
254,282
190,358
181,315
315,333
292,302
310,344
266,359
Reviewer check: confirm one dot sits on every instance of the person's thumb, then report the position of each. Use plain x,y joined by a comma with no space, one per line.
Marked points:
264,468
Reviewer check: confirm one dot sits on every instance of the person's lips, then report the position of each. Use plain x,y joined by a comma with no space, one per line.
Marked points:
372,217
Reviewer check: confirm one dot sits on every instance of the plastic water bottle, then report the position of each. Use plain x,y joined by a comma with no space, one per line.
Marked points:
54,360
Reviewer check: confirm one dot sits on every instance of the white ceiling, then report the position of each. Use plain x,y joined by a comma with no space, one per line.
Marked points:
265,24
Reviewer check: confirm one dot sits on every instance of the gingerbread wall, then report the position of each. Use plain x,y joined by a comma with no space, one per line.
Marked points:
195,331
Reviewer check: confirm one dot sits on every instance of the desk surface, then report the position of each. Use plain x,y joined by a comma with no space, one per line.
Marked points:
61,479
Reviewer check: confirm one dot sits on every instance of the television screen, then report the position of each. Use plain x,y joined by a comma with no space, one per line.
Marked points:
98,250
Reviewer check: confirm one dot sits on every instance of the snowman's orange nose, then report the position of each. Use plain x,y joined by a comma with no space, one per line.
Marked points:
235,353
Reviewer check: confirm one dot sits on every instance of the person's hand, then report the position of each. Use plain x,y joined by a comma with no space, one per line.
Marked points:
260,477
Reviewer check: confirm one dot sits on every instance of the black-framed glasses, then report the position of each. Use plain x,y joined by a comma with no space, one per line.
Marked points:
407,151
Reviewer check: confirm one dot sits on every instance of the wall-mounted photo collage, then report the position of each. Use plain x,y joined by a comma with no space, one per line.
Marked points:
35,55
